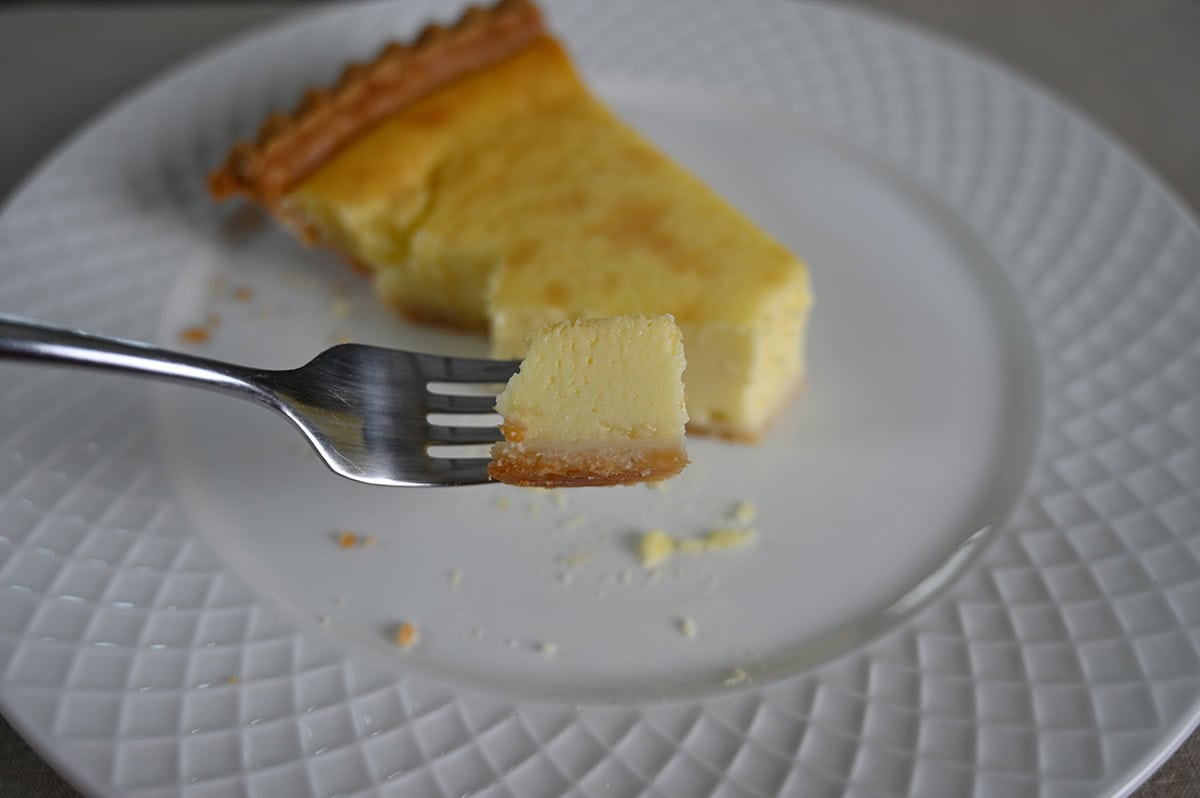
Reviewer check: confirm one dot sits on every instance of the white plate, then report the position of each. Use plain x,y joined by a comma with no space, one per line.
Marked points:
977,565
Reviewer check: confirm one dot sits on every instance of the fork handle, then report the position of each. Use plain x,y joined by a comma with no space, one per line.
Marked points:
34,341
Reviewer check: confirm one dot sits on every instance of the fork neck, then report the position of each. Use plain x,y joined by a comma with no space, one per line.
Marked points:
35,342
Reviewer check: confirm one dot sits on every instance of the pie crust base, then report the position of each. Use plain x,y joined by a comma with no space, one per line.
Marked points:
521,464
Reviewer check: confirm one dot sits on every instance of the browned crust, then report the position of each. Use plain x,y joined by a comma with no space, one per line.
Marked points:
291,146
519,464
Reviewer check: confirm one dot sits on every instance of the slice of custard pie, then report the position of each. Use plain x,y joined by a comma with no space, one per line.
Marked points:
477,179
596,402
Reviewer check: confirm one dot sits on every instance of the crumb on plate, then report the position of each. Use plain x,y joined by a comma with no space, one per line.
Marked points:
655,547
736,676
407,635
195,335
687,627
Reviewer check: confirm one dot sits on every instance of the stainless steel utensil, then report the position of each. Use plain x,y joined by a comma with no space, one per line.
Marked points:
365,409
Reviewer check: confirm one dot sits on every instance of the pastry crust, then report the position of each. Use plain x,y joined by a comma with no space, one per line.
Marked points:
292,146
520,464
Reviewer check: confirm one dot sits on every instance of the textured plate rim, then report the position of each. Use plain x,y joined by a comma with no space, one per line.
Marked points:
1184,724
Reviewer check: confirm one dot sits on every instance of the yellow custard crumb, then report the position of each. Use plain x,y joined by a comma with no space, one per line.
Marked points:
407,635
736,677
687,627
455,577
547,649
656,546
724,538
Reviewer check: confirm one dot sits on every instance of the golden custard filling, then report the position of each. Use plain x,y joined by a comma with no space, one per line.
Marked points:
596,402
509,198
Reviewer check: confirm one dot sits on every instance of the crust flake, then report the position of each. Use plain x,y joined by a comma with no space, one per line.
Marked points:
518,464
289,147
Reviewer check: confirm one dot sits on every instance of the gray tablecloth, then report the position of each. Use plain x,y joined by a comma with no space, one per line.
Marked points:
1133,65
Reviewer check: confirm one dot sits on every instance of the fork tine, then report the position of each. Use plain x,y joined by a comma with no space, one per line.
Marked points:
466,369
439,434
446,403
460,471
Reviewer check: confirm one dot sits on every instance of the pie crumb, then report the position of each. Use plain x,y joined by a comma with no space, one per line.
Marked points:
655,548
547,649
455,577
195,335
407,635
346,539
687,627
736,676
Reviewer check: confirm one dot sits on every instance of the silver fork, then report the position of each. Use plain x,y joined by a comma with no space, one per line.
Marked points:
365,409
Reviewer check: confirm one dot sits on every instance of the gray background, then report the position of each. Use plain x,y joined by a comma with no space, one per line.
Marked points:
1132,65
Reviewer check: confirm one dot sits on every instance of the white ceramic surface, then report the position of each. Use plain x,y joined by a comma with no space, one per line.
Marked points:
1005,354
